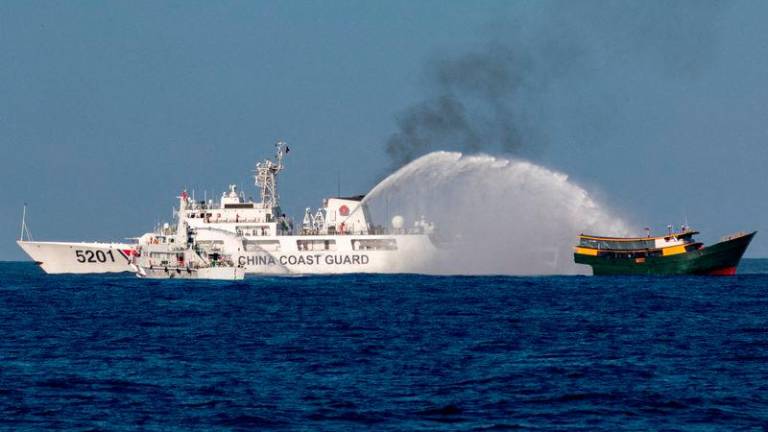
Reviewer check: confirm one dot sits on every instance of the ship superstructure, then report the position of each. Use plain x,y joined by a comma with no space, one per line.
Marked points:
338,237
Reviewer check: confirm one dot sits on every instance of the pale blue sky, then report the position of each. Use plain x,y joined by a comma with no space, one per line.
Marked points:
107,109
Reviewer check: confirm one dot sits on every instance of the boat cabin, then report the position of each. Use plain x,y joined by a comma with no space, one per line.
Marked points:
637,247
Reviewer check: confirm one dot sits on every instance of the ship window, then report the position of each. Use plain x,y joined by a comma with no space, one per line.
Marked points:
374,244
316,245
253,230
617,245
210,244
159,255
262,245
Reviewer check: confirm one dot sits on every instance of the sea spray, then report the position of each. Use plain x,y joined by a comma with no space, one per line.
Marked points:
494,215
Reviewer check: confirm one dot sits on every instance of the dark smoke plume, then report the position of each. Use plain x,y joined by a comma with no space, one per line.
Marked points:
497,98
473,108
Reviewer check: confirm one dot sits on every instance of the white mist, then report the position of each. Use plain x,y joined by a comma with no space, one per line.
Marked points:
498,216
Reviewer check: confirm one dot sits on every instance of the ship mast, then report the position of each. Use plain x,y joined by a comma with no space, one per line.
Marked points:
24,227
266,176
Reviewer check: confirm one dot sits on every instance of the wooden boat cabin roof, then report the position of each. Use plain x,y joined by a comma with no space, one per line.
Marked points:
635,243
679,235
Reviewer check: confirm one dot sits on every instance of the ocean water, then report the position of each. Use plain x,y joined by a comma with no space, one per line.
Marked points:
397,352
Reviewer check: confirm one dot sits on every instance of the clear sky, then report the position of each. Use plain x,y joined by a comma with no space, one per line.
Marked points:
108,109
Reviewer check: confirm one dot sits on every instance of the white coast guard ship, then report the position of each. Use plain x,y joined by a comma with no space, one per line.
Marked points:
337,238
76,257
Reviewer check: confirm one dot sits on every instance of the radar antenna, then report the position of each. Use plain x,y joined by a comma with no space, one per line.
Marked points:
266,176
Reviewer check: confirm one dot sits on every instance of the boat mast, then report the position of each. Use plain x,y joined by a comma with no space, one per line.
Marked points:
266,176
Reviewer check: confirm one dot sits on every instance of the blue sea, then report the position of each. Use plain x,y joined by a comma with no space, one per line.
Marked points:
388,353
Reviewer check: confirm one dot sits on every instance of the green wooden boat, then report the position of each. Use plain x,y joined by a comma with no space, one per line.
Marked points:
672,254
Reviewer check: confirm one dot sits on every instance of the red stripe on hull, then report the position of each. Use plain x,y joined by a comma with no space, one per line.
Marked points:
725,271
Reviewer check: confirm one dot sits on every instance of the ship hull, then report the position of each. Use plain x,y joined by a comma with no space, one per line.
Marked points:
208,273
306,263
720,259
410,255
79,258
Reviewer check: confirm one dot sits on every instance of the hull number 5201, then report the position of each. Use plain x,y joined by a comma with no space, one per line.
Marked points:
89,256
